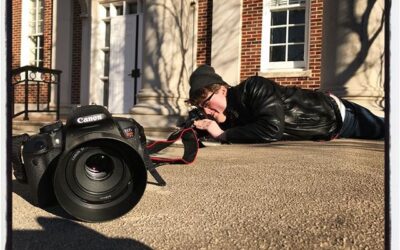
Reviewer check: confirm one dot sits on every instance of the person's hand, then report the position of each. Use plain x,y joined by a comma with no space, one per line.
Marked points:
211,126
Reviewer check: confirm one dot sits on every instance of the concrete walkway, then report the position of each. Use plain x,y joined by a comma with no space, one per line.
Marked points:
285,195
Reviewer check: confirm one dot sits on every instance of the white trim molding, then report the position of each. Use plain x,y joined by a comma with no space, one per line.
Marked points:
285,73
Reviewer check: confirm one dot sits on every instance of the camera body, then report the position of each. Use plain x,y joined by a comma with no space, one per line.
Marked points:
95,166
193,115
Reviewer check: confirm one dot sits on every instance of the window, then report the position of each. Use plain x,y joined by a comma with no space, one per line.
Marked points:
132,8
119,10
285,37
36,33
122,8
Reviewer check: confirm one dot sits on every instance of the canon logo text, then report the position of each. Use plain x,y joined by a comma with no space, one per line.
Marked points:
90,118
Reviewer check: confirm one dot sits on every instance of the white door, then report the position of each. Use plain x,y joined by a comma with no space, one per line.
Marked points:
122,62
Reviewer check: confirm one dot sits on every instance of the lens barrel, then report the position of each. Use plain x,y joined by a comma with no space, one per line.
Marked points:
100,180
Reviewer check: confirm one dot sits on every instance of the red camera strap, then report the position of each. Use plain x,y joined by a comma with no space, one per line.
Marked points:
190,144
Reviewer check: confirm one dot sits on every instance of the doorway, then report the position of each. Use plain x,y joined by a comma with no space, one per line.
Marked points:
122,55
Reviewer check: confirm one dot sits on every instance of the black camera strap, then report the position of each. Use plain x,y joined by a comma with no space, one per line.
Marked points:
190,145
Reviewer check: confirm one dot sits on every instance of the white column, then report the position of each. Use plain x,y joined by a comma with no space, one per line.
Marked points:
394,125
97,43
226,39
167,63
353,51
3,127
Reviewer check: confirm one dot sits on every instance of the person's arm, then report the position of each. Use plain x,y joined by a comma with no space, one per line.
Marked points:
263,101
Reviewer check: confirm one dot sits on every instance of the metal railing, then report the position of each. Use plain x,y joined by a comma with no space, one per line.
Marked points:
36,85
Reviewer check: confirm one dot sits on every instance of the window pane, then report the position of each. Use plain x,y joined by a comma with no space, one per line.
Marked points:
278,18
277,54
41,41
132,8
32,27
119,9
39,48
40,12
108,27
297,16
106,63
40,26
40,60
297,1
106,92
296,34
278,35
296,52
32,53
33,42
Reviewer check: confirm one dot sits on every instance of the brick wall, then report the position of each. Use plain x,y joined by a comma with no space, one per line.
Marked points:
33,91
16,33
76,53
251,38
251,41
315,44
204,32
47,32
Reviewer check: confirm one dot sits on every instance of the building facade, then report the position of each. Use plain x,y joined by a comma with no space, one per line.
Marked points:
135,56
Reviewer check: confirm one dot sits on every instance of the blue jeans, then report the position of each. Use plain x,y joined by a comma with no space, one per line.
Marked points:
360,123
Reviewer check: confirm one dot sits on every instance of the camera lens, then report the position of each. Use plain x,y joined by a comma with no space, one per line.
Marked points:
100,179
98,167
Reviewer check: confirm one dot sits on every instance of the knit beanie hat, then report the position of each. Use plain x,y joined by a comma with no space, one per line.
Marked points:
203,76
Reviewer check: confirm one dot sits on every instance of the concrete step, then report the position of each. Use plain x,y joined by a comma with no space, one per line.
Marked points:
38,120
29,127
35,122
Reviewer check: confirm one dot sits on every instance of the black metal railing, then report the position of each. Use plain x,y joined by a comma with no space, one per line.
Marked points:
34,80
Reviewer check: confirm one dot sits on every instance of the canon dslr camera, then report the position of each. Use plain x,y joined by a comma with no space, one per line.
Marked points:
193,115
95,165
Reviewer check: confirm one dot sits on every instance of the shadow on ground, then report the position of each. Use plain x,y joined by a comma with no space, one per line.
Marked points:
64,234
23,191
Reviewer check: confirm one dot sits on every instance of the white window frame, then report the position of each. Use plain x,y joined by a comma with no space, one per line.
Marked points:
113,7
266,65
29,46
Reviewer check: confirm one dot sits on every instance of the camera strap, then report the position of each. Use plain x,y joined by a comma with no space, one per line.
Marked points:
190,145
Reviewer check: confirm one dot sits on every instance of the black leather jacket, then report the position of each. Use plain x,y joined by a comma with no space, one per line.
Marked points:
260,110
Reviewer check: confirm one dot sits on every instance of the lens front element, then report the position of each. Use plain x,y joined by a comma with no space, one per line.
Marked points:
98,167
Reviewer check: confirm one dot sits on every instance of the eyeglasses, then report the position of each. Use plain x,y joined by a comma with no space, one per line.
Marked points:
206,102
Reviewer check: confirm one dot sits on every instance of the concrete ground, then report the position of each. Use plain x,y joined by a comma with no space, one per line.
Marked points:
285,195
